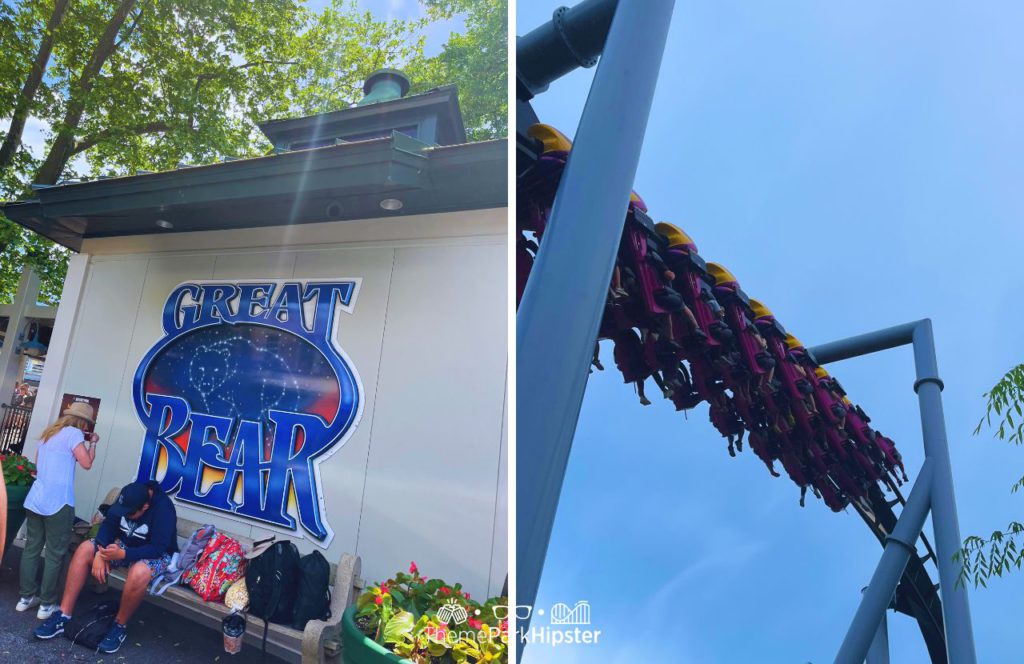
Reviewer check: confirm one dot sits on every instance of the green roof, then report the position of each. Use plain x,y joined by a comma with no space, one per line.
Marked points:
333,183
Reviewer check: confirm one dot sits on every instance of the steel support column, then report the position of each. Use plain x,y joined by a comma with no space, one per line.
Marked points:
941,501
561,309
879,593
878,653
956,611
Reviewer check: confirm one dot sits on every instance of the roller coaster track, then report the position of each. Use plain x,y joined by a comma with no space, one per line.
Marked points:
916,595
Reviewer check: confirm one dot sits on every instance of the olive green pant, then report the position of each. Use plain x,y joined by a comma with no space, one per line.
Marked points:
54,532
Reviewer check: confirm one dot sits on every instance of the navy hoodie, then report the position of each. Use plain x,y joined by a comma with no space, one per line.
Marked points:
153,535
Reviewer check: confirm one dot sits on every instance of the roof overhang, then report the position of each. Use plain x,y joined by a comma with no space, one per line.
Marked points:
336,183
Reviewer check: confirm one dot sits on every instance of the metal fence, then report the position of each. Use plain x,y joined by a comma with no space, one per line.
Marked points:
13,427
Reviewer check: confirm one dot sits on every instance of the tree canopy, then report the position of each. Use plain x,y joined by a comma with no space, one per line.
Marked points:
130,85
1003,551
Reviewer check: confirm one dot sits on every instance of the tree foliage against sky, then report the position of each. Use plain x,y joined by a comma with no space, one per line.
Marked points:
1003,550
129,85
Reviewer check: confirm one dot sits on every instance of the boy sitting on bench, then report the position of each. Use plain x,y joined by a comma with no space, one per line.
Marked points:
138,533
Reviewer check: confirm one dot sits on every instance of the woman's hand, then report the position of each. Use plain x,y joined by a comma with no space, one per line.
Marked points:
93,437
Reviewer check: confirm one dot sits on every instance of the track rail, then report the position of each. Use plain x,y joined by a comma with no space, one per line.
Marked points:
916,595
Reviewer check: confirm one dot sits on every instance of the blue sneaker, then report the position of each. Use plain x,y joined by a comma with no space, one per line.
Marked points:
114,638
52,626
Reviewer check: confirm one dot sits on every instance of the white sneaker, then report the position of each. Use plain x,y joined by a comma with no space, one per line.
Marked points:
26,603
47,610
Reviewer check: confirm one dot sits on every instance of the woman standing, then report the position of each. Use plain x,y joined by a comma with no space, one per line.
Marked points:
50,504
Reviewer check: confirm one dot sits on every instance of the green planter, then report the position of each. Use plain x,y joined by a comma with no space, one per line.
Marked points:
357,648
15,511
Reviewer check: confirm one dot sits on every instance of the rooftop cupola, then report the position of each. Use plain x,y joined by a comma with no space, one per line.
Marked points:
431,117
384,85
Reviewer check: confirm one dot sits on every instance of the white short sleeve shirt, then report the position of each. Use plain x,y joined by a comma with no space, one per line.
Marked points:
55,473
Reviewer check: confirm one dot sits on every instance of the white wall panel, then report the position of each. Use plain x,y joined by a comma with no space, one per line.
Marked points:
433,471
422,477
359,335
499,549
164,274
252,265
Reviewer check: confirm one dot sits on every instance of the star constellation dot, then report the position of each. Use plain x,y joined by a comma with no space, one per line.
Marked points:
244,371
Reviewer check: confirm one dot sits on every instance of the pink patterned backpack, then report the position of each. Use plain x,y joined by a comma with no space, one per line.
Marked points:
221,564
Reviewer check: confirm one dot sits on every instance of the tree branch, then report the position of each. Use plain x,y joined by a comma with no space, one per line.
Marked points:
155,127
12,141
158,126
131,28
60,149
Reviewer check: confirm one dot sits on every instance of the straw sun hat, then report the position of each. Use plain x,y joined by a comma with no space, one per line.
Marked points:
83,410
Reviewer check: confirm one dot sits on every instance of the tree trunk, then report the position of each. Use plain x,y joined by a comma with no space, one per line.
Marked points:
63,144
28,93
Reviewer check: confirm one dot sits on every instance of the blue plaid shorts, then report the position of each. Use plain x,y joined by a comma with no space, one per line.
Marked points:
156,565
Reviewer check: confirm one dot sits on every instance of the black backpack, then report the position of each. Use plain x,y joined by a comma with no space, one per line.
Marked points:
313,601
272,581
87,628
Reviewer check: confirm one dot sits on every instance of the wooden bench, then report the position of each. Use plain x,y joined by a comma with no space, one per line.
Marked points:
319,642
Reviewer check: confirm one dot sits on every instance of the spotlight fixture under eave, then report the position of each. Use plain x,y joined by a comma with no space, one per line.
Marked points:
391,204
163,223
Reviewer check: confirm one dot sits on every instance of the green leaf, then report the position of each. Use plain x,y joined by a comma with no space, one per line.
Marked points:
399,627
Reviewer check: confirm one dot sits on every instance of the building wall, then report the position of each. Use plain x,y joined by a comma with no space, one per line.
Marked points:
423,475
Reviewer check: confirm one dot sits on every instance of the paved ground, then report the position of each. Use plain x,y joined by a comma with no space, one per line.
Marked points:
154,635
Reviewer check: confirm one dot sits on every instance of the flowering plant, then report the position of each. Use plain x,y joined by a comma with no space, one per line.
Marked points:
18,470
429,621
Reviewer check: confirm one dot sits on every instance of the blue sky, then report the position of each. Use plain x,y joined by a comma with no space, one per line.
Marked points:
437,33
856,165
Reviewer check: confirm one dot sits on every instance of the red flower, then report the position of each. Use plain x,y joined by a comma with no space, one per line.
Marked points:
445,590
467,595
378,600
412,568
383,589
20,467
504,626
474,623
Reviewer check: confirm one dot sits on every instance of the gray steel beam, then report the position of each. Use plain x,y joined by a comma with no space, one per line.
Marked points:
864,344
956,611
574,37
878,653
879,594
561,309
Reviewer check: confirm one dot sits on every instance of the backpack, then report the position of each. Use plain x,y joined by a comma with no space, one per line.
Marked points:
90,626
183,560
272,581
313,601
221,564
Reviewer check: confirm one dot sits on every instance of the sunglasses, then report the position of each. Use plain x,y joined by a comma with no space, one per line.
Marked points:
522,611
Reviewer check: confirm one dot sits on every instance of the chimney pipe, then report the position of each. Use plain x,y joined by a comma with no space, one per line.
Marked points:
384,85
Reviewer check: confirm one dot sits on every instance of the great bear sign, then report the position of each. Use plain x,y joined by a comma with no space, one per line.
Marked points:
246,395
